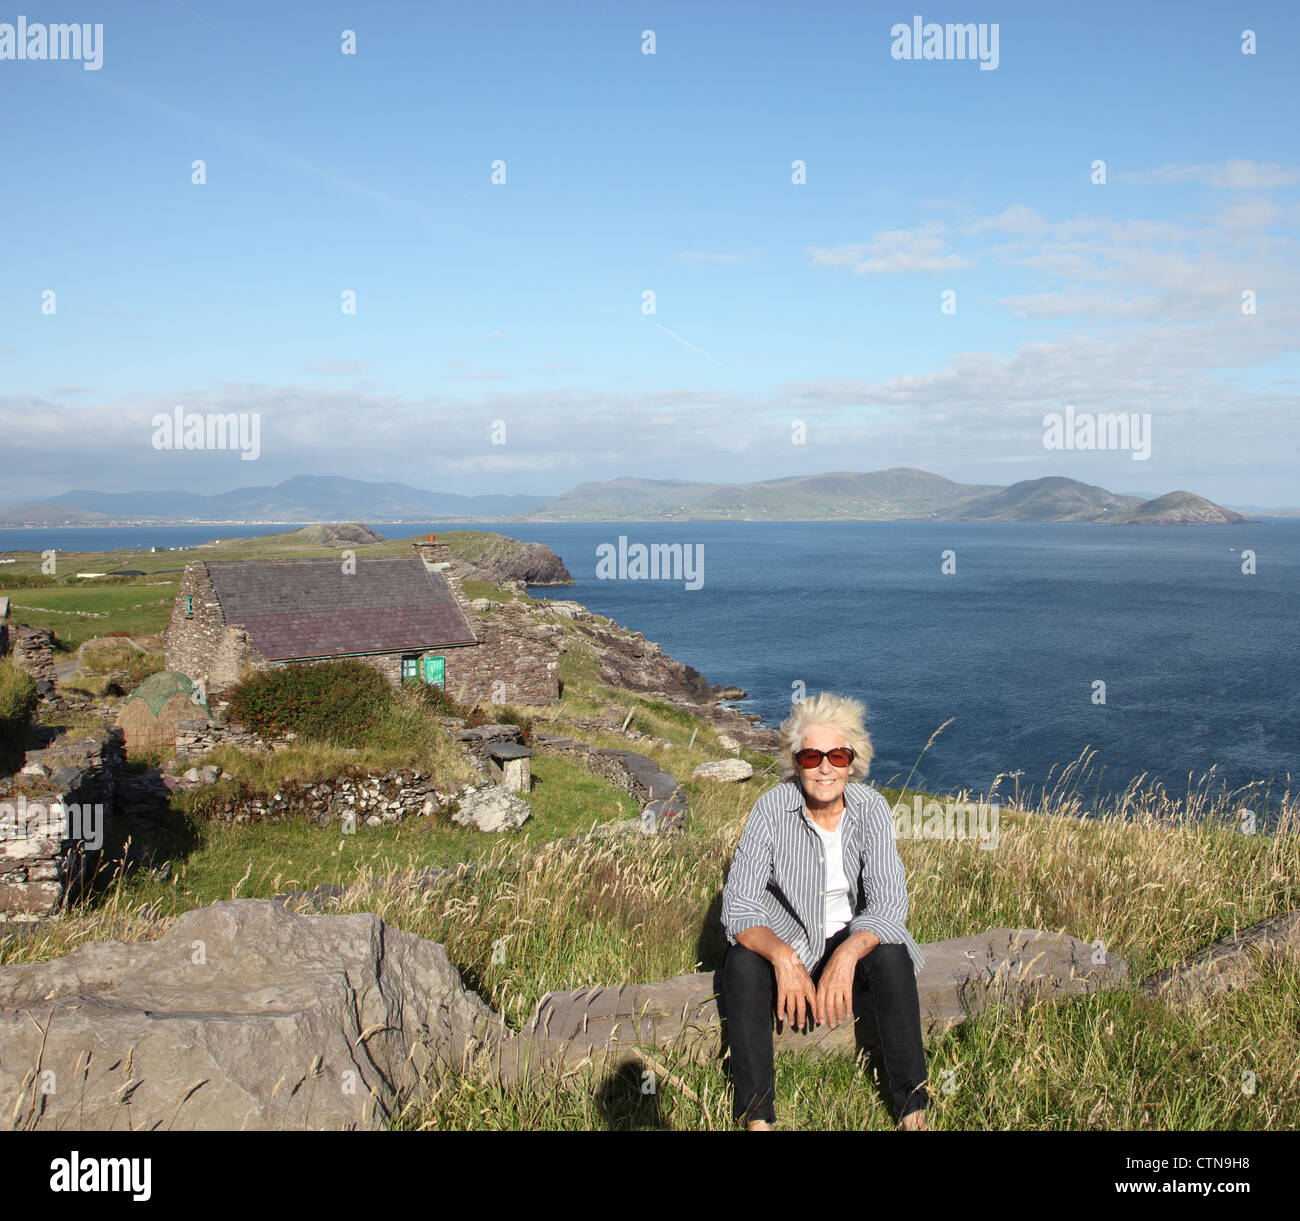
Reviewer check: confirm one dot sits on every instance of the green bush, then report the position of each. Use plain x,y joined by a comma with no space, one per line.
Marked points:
26,580
508,716
18,702
336,701
437,701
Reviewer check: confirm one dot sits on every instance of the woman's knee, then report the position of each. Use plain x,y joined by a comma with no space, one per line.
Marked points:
887,960
743,963
747,979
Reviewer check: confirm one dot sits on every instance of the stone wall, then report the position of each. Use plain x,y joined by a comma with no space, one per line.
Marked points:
196,737
654,790
516,652
31,649
54,816
349,800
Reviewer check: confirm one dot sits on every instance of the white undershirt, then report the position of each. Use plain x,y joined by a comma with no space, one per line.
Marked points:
838,911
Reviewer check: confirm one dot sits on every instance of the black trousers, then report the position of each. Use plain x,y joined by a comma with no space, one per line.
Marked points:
884,988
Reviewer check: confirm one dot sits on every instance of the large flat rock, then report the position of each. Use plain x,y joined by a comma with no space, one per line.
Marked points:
962,976
244,1015
1230,963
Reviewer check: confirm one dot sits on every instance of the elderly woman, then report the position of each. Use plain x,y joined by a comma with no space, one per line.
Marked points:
815,908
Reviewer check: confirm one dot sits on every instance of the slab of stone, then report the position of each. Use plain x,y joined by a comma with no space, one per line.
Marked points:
490,733
492,809
1230,963
243,1015
729,770
508,750
962,976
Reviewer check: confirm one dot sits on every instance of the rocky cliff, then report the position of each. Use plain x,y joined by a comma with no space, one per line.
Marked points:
494,557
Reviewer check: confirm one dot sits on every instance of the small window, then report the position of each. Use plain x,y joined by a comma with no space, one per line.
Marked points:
189,604
410,668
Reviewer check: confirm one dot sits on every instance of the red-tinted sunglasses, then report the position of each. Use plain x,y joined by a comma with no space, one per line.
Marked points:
840,756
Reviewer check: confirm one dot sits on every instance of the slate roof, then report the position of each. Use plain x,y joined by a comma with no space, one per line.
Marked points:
312,608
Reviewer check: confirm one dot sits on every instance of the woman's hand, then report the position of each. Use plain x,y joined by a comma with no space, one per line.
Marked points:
835,988
794,990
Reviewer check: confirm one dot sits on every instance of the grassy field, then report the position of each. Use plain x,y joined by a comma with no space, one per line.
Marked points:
286,544
1153,877
1154,881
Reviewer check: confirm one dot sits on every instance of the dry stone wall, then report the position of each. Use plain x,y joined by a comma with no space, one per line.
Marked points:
196,737
350,800
31,649
54,816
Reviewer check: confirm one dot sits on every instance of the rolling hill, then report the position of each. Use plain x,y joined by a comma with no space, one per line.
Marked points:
900,493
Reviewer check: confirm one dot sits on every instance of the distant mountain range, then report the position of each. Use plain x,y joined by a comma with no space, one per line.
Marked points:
305,498
899,493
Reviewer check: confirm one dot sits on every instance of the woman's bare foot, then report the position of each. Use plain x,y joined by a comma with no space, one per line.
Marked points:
915,1122
760,1125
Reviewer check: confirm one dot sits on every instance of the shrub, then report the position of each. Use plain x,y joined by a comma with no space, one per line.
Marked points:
336,701
437,701
508,716
26,580
18,702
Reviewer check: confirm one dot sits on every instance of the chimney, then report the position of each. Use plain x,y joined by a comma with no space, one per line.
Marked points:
433,553
437,559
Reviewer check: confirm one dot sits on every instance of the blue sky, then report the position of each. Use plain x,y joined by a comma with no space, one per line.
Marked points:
671,172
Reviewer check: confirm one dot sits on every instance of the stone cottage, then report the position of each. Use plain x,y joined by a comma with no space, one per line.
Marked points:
406,616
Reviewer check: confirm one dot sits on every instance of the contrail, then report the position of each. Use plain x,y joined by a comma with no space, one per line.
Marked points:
679,339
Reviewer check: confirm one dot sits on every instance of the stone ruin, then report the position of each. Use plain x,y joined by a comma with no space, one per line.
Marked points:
54,815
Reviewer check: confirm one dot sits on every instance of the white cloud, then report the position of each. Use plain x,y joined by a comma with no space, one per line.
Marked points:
892,251
1236,175
322,364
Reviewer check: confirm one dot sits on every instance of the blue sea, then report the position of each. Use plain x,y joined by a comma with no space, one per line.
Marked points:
1199,660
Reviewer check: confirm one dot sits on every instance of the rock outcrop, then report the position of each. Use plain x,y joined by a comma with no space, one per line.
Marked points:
492,809
962,976
630,661
243,1015
1229,963
496,558
343,534
727,770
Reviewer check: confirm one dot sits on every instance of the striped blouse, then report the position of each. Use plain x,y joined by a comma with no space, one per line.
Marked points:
778,873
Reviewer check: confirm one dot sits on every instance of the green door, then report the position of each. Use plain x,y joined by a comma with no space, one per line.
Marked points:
433,671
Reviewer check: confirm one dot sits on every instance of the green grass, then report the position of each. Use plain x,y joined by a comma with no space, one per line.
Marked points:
88,597
18,703
215,860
